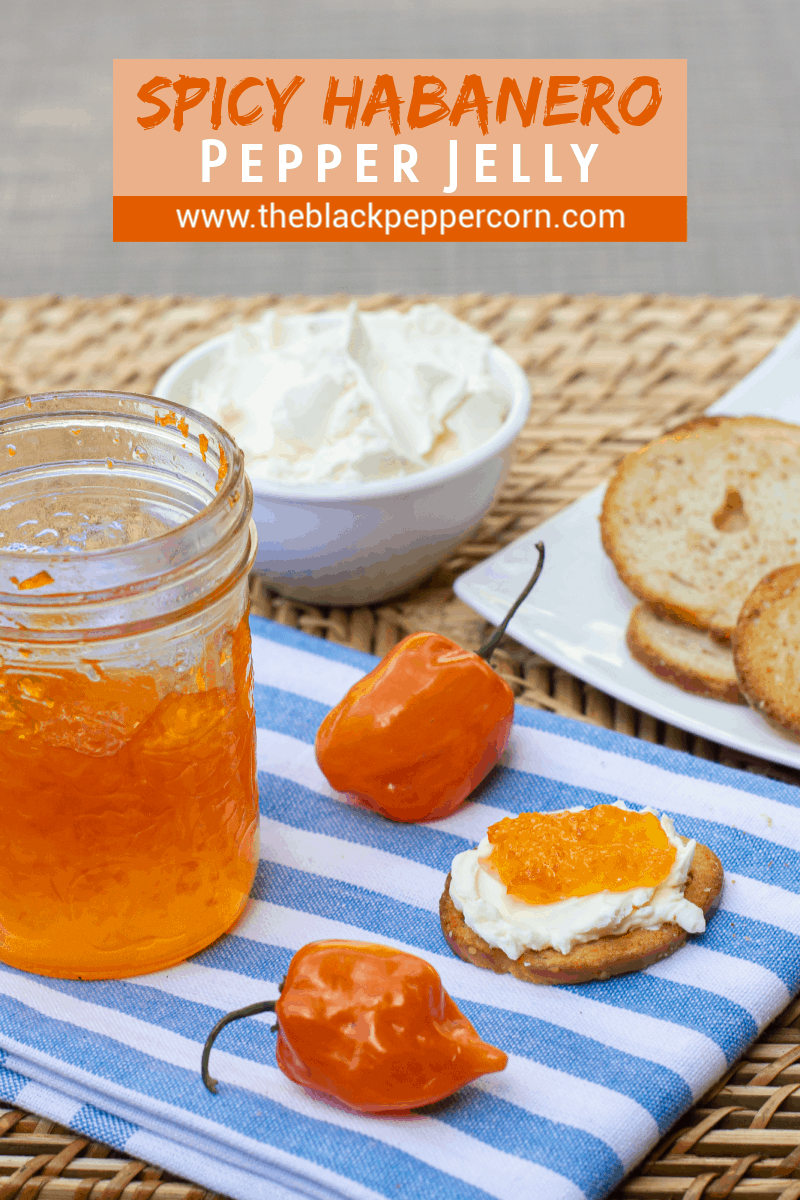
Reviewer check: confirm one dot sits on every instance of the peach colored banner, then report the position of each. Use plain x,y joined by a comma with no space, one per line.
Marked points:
399,130
385,218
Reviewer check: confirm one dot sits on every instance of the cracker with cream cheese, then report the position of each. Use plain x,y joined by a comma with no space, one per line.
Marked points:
602,956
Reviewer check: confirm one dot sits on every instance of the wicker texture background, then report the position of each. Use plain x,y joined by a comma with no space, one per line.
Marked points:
39,1158
607,375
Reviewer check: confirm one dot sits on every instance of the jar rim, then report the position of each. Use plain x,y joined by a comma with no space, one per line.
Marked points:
80,576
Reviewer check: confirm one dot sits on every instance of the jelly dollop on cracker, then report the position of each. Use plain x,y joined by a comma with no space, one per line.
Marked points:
546,857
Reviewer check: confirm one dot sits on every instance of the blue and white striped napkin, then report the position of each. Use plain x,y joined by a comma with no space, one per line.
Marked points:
596,1072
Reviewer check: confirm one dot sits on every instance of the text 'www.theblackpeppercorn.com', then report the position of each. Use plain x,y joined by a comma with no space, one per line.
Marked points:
433,221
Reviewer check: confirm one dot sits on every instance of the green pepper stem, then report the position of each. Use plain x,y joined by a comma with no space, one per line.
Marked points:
251,1011
488,648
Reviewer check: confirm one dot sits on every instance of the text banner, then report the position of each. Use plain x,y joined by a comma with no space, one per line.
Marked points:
402,150
384,218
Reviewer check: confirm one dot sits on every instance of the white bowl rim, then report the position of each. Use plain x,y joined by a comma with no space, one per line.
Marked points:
395,485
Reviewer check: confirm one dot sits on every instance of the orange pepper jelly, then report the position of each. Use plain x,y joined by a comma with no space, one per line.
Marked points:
546,857
130,818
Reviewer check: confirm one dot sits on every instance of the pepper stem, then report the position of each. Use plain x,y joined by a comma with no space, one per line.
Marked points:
251,1011
488,648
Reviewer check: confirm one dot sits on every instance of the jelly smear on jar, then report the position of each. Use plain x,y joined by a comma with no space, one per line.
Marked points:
130,817
546,857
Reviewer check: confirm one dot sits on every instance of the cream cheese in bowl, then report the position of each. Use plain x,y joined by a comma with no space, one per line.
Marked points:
353,397
375,441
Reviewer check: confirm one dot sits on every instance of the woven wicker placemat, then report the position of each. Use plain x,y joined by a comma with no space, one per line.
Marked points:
607,374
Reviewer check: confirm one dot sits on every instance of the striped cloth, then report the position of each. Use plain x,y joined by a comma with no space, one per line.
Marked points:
596,1072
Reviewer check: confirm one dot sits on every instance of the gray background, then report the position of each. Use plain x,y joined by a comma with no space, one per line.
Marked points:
55,147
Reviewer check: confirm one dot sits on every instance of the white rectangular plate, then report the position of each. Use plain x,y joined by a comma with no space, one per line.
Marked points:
578,613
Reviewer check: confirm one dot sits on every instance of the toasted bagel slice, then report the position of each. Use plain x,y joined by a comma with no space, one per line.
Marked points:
766,648
594,960
693,520
687,657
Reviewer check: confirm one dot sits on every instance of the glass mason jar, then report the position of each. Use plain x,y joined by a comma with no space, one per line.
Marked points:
128,801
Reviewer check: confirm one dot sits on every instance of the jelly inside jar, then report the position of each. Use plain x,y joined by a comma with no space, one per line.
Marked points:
130,823
546,857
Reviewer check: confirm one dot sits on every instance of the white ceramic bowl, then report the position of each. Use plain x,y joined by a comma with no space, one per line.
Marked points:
367,542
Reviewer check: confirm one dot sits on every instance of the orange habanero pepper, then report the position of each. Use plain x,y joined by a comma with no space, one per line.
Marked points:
416,735
371,1027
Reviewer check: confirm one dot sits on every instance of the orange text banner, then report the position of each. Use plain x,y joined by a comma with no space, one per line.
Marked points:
449,149
387,218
